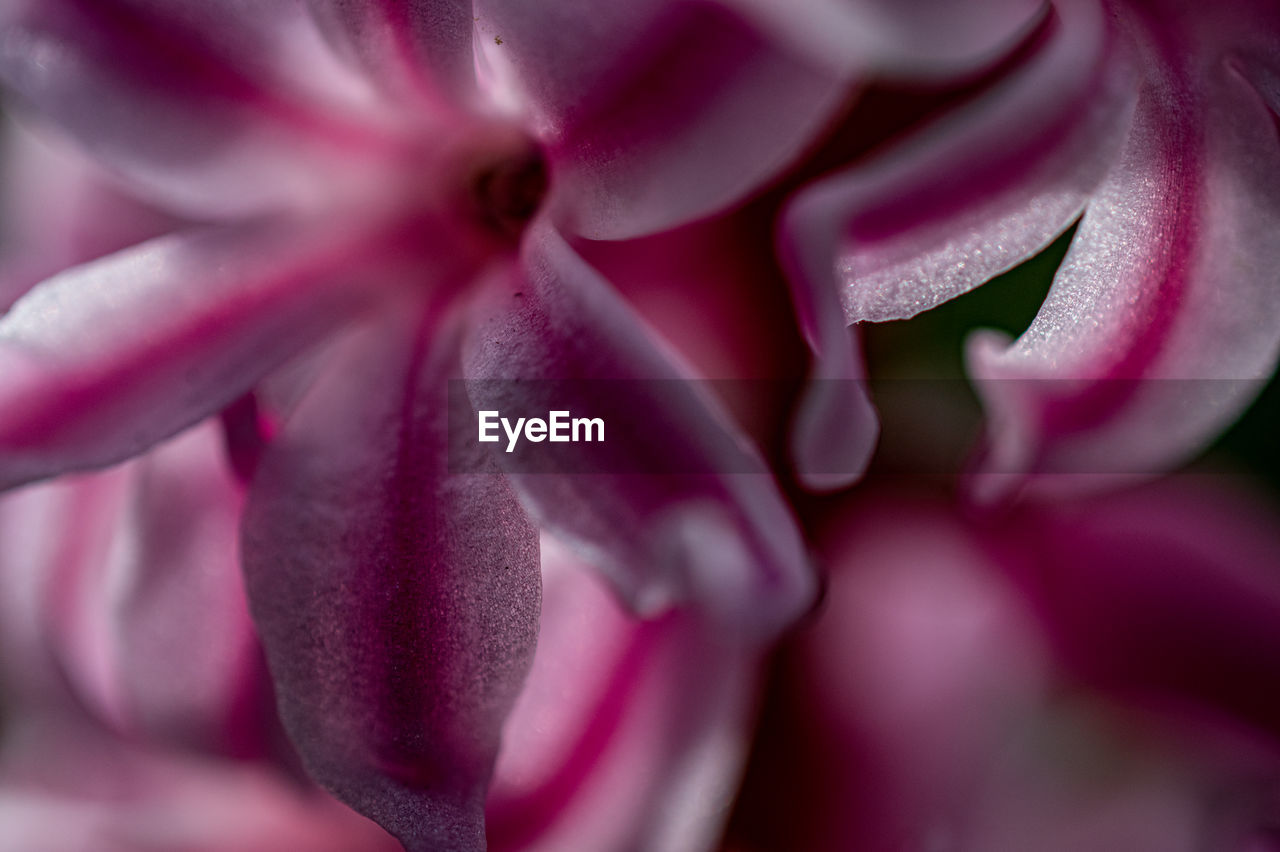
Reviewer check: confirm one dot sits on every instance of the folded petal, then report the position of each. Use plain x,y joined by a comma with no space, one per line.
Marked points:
674,505
628,735
102,361
398,603
653,113
977,191
414,49
212,109
1164,319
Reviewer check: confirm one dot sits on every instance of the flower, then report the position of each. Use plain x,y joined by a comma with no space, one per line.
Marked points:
1078,676
388,191
1152,124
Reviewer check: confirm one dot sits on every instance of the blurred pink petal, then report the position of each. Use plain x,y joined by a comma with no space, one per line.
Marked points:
398,604
628,735
674,505
418,50
1073,677
124,587
213,111
66,787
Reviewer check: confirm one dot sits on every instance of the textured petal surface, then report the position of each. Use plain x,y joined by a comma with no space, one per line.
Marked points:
208,107
708,525
653,113
100,362
1164,319
138,605
628,735
941,213
398,603
977,191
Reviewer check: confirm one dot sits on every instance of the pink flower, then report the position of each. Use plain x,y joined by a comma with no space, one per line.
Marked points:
1153,124
1087,676
383,189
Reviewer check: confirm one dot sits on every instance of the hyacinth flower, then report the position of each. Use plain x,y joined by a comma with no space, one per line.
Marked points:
1153,126
137,706
1084,675
403,186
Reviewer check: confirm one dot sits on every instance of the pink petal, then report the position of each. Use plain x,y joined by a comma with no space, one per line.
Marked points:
940,214
100,362
675,505
67,787
139,605
398,603
628,735
1164,319
918,38
978,191
414,49
211,111
653,113
58,210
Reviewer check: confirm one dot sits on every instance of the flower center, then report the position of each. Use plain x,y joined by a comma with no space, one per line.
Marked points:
507,193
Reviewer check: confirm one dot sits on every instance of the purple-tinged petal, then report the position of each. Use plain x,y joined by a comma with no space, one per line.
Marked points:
398,603
415,49
675,505
188,101
941,213
628,735
915,39
1164,320
100,362
653,113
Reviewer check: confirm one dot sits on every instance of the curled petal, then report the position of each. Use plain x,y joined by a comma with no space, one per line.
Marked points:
628,735
978,191
398,603
67,787
100,362
674,505
653,113
200,107
1164,319
942,213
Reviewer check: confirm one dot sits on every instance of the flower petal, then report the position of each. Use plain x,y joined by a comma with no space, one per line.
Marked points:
675,505
200,106
140,607
978,191
653,113
920,38
418,49
398,603
100,362
1164,320
628,735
